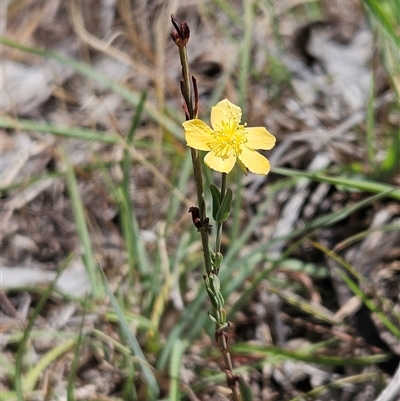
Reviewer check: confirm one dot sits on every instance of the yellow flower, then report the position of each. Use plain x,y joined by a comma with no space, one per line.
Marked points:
229,142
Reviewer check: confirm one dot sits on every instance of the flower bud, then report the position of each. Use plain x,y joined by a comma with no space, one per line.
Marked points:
181,34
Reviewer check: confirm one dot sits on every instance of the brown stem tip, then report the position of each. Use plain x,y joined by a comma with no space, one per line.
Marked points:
181,34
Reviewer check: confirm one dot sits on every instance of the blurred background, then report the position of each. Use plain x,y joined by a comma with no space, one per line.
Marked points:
96,177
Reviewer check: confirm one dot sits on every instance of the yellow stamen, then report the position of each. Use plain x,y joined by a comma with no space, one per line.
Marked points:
228,139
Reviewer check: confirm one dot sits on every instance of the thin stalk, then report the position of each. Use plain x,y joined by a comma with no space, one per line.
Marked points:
231,378
187,94
219,225
180,37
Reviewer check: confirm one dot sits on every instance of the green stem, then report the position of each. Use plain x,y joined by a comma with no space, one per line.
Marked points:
219,225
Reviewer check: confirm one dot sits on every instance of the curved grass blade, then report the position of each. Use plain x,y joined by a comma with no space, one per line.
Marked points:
148,375
313,394
385,13
126,93
351,183
65,131
19,386
356,289
307,355
83,232
136,250
75,361
34,374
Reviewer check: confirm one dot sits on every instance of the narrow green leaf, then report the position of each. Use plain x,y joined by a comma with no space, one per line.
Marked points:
216,200
225,208
245,390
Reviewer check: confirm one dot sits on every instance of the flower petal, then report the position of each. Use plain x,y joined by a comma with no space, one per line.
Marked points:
218,163
225,112
259,138
198,134
254,161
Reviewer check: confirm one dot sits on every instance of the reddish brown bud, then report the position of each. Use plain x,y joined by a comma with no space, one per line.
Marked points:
181,34
201,226
195,216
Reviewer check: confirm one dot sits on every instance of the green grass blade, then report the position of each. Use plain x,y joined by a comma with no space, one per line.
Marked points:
77,353
369,303
280,354
350,183
134,98
135,247
363,234
174,369
64,131
370,128
385,13
19,385
148,375
189,318
82,229
356,289
34,374
313,394
391,162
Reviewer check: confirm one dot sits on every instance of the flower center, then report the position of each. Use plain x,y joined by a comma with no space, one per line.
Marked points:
228,139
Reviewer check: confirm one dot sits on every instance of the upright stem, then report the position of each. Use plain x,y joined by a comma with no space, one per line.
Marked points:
219,225
233,384
187,94
180,37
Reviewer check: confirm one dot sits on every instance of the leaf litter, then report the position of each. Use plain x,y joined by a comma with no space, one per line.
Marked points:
316,111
